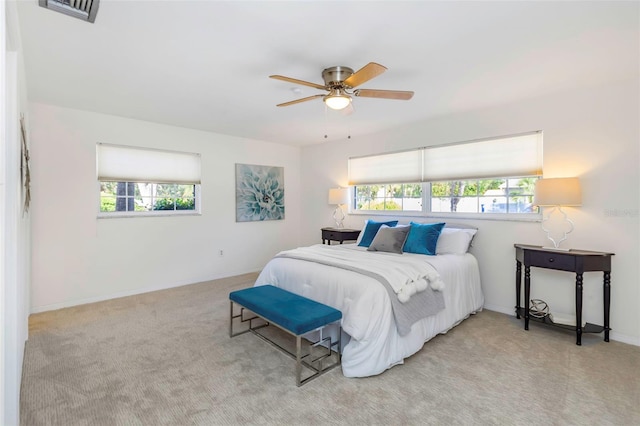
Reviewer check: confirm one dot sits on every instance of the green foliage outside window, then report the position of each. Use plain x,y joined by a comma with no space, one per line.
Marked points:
107,204
180,204
384,205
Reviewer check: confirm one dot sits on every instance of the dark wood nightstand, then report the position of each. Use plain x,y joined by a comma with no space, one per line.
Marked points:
339,234
578,261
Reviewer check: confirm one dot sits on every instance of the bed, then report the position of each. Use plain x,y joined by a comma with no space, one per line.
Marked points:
357,279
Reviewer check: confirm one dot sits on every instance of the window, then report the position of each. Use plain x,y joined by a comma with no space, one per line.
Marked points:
513,195
402,197
141,181
494,175
146,197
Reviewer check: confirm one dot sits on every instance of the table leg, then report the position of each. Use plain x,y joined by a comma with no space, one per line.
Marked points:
607,303
518,286
578,309
527,294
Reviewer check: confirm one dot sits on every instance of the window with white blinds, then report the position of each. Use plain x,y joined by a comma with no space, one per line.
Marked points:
144,181
487,176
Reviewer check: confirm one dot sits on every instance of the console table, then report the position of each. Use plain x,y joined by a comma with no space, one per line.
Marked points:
577,261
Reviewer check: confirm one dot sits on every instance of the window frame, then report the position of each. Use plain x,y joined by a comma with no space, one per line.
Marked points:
427,213
353,199
509,194
150,213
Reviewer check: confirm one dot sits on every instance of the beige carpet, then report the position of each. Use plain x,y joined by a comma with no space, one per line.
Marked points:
165,358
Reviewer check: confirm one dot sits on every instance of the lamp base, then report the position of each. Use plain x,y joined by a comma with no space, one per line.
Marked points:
569,223
338,216
555,248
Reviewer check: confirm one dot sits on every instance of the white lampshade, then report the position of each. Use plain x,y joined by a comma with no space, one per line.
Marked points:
337,101
338,196
557,192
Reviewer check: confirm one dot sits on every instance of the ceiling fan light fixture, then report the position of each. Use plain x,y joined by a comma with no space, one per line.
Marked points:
337,80
337,102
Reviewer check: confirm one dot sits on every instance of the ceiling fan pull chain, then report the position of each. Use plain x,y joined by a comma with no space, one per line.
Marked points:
326,126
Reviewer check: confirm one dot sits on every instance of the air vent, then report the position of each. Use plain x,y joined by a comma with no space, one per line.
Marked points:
81,9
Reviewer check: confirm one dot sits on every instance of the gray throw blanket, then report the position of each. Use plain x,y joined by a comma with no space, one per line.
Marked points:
419,306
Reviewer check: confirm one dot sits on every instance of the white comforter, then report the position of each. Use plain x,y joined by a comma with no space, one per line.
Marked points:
407,275
375,344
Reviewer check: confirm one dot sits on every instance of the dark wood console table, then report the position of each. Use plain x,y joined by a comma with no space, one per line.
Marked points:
577,261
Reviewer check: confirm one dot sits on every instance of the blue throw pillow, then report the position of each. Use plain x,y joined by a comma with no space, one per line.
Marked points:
371,229
423,238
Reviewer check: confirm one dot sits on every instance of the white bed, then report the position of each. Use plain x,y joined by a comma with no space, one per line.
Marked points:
374,343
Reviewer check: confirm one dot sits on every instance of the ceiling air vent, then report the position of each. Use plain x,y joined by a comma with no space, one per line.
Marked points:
82,9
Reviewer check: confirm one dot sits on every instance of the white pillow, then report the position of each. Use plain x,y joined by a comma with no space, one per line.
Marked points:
454,240
361,233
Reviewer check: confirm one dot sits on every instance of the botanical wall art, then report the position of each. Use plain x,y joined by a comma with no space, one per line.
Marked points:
259,193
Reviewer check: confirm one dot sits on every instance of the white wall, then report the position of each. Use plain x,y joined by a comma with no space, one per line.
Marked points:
591,133
14,222
78,258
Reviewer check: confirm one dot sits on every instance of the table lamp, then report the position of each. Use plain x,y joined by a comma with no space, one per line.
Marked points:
338,197
555,193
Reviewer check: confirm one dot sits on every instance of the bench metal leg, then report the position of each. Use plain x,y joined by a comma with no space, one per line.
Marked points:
243,319
298,360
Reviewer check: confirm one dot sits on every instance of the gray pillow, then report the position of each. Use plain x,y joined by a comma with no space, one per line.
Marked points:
389,240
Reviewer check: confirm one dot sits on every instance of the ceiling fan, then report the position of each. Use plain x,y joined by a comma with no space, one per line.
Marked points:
339,82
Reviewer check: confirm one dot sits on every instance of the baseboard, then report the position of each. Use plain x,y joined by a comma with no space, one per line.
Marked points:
624,338
500,309
68,304
618,337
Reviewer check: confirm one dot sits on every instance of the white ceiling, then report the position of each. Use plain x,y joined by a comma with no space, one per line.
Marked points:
205,64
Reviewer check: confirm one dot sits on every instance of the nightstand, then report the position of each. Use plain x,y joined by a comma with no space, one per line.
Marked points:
577,261
339,234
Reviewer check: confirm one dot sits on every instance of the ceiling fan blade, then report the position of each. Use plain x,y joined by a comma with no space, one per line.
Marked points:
384,94
365,74
297,101
296,81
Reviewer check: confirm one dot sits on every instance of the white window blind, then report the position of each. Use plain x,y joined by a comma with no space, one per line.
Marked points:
397,167
517,155
117,163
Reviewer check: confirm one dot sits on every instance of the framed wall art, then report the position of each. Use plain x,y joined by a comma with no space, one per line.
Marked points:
25,173
259,193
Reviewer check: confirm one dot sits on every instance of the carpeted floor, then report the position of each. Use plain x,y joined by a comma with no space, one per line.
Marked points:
165,358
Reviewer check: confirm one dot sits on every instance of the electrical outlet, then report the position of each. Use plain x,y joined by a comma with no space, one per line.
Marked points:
220,252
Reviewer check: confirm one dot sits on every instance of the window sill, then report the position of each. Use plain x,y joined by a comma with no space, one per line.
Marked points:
116,215
523,217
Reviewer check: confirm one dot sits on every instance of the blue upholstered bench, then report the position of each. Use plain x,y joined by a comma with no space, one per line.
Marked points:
294,314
